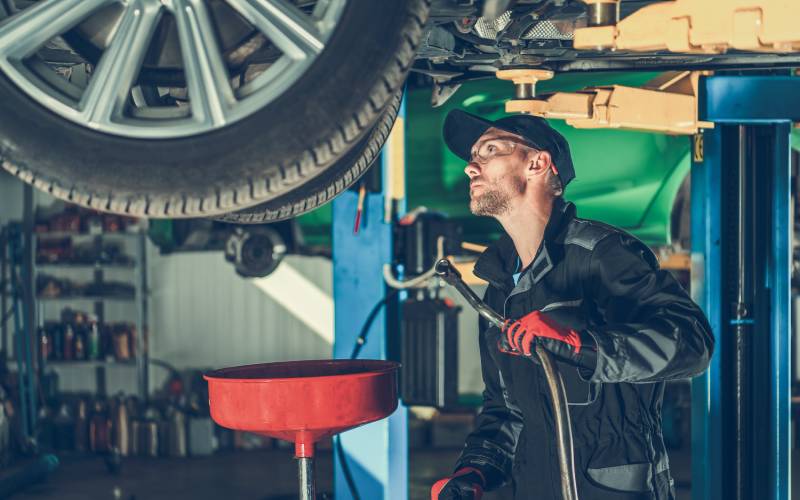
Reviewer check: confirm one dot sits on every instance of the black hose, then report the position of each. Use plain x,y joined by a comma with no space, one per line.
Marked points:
555,385
362,335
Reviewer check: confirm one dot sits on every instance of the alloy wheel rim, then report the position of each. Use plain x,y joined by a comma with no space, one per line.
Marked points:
111,100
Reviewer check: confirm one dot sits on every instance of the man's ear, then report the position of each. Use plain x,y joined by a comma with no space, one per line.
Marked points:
539,163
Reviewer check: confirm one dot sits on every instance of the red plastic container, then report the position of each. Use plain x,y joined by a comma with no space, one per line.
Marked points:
303,401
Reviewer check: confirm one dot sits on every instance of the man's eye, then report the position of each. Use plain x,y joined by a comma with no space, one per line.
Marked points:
491,148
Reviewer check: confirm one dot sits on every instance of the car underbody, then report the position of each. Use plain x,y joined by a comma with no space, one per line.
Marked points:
462,44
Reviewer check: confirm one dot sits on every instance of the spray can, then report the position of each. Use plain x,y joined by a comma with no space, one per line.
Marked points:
150,438
177,432
121,426
82,426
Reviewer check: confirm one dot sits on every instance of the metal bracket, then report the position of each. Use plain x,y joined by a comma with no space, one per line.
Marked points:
699,27
602,12
667,104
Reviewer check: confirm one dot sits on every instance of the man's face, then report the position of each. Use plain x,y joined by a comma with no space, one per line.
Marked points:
496,172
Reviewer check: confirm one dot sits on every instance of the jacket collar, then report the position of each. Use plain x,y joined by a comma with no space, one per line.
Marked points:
496,264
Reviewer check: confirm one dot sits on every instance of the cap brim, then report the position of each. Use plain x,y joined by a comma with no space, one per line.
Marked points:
461,130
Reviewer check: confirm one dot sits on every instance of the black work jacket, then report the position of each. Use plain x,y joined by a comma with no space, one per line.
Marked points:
605,284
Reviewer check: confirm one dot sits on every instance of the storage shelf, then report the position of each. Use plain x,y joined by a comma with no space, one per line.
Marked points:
12,363
98,265
67,234
92,298
89,362
88,295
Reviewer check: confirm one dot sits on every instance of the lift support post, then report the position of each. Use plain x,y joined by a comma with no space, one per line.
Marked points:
376,454
741,258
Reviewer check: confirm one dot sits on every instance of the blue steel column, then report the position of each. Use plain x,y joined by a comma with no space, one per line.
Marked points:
706,284
377,454
780,272
772,101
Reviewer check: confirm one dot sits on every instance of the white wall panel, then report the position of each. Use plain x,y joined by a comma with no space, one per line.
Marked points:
204,315
469,368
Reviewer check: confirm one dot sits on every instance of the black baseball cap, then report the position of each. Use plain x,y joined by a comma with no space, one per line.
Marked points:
462,130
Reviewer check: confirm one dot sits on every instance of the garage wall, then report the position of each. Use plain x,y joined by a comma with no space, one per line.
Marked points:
204,315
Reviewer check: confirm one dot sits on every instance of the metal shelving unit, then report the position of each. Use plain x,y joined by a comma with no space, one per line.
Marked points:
138,270
90,298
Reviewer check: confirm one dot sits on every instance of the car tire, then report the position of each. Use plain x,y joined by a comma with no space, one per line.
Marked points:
326,186
275,151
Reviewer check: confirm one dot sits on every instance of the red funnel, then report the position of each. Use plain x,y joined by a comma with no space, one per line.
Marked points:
303,401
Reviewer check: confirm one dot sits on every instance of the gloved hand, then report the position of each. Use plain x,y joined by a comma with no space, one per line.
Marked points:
521,334
465,484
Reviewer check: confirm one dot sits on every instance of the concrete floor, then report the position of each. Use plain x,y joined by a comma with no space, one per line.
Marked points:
252,475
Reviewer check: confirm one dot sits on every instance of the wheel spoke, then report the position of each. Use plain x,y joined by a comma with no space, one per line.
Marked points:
290,29
119,66
23,34
210,92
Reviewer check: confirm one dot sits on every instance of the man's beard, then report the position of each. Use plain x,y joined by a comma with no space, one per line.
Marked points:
492,202
495,200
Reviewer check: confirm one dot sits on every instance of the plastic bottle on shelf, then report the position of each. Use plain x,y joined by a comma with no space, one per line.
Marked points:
69,343
93,341
82,425
121,344
100,429
45,343
80,346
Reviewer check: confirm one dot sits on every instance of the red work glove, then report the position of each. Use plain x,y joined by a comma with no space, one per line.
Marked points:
465,484
520,336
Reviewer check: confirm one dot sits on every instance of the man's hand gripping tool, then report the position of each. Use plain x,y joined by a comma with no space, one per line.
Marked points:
558,397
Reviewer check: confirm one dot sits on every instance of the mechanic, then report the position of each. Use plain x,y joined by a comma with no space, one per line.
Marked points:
617,325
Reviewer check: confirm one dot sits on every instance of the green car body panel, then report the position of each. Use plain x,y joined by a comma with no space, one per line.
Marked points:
628,179
624,178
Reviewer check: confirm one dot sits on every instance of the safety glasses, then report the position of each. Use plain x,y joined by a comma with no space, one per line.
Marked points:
487,150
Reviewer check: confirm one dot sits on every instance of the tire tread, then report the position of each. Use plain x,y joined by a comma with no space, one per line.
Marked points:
288,206
282,179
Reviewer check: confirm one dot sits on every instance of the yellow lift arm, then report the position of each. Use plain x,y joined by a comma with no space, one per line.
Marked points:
667,104
694,26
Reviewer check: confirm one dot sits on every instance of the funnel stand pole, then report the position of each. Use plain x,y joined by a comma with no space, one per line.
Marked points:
305,474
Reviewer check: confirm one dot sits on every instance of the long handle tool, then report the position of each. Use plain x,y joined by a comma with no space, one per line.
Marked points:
558,396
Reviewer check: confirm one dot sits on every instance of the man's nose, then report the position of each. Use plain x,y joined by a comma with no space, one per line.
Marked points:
472,169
